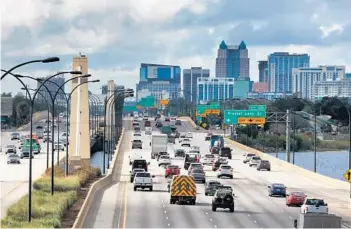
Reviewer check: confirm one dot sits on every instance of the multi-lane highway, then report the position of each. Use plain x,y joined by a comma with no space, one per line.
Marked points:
119,206
14,177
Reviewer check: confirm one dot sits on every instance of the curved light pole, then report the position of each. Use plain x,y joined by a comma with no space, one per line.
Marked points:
94,107
46,60
107,99
97,115
48,126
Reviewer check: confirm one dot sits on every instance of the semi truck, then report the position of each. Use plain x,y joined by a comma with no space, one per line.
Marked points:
158,144
318,220
217,138
166,129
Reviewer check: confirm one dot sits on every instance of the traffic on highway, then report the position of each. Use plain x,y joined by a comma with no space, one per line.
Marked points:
196,181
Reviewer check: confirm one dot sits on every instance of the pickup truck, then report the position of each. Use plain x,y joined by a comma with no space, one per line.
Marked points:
143,180
312,205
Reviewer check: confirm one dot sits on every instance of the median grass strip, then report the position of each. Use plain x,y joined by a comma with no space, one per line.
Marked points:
48,210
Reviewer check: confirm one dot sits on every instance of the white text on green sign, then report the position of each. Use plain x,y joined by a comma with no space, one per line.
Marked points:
258,107
245,113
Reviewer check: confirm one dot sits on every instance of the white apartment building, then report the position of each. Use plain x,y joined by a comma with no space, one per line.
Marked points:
304,78
339,88
214,89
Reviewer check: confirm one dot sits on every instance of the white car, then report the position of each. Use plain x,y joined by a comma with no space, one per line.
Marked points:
189,135
196,148
312,205
225,171
59,146
143,180
164,160
137,134
185,142
254,161
208,159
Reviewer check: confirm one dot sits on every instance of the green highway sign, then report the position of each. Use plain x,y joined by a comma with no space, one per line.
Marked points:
231,116
202,107
148,101
258,107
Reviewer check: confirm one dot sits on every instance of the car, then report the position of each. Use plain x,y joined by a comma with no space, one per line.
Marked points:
193,166
179,153
211,187
185,142
15,136
172,170
214,150
135,123
39,127
164,160
137,129
218,162
194,151
189,135
178,122
145,118
137,144
225,152
59,146
148,130
167,119
25,153
189,159
140,164
208,159
158,124
47,138
223,199
248,157
198,174
137,134
181,136
295,198
13,159
264,164
135,171
254,161
143,180
207,138
196,148
161,154
11,149
314,205
277,189
225,171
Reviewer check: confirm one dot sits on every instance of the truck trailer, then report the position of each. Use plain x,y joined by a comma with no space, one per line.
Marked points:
318,220
158,144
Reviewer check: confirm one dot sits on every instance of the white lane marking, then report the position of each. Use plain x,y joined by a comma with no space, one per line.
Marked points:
248,214
215,226
163,205
210,219
169,225
290,217
255,221
206,213
282,210
166,217
165,212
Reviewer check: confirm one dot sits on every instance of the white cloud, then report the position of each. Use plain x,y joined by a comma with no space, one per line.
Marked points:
327,30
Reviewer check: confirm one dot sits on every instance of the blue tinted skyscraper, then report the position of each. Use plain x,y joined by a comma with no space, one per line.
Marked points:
280,65
190,77
232,61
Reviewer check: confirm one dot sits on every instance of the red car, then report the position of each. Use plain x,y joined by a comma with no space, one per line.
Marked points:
295,198
172,170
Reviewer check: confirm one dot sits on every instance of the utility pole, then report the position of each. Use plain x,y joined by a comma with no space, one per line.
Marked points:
287,145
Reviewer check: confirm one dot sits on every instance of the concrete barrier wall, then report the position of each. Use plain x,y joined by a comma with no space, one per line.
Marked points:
325,180
188,119
103,182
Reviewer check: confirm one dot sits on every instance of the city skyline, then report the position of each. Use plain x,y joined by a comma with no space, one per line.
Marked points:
169,37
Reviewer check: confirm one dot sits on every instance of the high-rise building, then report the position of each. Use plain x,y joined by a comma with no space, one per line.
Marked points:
348,75
52,85
263,71
190,77
214,89
260,87
242,86
339,88
232,61
160,81
305,78
104,88
280,65
268,95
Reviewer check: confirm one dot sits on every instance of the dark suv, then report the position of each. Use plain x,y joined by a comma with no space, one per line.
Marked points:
223,199
264,164
225,152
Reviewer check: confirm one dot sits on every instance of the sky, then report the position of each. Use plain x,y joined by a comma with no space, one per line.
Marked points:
118,35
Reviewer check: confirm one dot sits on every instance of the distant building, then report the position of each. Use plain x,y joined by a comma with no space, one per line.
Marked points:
242,86
348,75
280,65
305,78
190,77
232,61
267,95
160,81
104,88
339,88
53,86
215,89
263,71
260,87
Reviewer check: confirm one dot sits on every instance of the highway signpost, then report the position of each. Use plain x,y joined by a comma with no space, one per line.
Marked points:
258,107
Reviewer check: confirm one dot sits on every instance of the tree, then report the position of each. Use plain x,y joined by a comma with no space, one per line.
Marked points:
4,94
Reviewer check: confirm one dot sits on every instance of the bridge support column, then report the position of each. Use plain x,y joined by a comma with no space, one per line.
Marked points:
79,138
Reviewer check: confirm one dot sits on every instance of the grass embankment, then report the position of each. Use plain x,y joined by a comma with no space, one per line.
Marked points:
48,210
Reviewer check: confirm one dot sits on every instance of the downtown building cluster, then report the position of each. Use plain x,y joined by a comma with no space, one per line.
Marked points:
282,74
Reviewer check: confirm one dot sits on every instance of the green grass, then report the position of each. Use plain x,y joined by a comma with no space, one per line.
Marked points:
35,223
61,184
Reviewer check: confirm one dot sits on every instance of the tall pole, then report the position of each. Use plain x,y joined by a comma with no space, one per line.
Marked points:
30,163
287,145
52,148
293,152
58,138
315,140
349,113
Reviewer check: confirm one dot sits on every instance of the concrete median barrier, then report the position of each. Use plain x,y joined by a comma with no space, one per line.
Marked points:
325,180
103,182
188,119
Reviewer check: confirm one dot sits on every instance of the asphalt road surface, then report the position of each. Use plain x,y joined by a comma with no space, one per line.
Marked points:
119,206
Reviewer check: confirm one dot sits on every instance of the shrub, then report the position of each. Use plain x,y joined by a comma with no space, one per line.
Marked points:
83,175
35,223
96,171
61,184
44,205
58,172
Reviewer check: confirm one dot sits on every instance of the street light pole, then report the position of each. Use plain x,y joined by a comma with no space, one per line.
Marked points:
315,139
